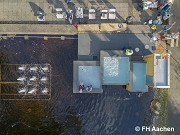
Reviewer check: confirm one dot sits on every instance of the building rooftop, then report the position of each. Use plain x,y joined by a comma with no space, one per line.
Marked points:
90,45
138,77
86,73
158,70
114,67
90,75
161,72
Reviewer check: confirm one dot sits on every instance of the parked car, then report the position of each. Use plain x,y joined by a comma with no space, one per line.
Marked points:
59,13
112,14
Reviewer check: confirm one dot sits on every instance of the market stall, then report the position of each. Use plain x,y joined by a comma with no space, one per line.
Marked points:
150,5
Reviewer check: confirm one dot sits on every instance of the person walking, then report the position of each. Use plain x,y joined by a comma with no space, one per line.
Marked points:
129,19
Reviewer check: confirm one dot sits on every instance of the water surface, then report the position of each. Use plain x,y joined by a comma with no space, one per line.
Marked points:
114,112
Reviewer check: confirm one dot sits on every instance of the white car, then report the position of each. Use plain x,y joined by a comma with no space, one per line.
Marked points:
59,13
112,14
92,14
104,14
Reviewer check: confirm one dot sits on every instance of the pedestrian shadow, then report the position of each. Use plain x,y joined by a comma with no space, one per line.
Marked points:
57,4
93,2
71,6
50,2
35,8
83,3
100,2
136,1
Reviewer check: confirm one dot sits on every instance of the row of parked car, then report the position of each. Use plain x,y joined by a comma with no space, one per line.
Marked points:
105,13
60,14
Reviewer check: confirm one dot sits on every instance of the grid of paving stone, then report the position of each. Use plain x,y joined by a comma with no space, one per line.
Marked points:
26,10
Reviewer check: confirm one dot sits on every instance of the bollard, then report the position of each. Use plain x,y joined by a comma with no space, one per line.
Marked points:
4,37
62,37
26,37
45,38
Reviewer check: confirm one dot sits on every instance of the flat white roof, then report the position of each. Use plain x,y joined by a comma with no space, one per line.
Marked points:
161,72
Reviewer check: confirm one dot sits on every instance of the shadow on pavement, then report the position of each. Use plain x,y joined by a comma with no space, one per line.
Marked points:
110,6
35,8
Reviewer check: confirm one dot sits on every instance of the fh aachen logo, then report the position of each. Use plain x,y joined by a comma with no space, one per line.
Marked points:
154,129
